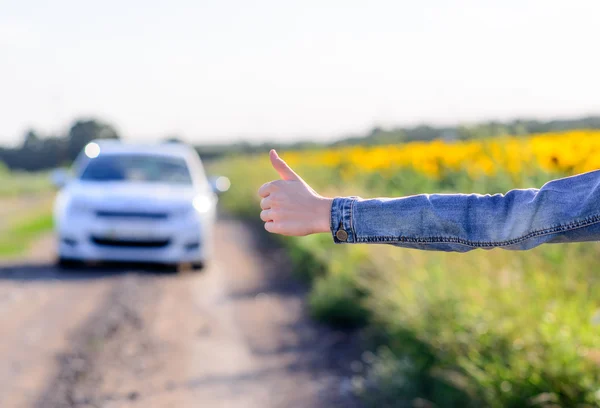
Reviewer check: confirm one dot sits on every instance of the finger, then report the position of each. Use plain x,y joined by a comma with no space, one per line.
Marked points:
285,171
266,202
266,215
265,189
272,227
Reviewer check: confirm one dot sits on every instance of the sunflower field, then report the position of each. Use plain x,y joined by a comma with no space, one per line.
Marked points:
567,152
482,329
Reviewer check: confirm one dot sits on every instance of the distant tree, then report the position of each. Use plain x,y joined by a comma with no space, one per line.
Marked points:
56,151
30,154
36,153
375,131
84,131
31,141
39,153
174,139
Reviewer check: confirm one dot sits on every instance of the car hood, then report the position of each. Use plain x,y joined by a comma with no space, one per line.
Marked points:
134,196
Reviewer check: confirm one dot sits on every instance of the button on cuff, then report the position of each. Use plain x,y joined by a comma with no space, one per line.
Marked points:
341,220
341,235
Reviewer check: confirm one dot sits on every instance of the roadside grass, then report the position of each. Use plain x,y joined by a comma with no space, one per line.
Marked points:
482,329
19,234
25,209
18,183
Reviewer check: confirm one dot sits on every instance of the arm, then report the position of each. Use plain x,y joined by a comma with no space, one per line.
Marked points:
563,210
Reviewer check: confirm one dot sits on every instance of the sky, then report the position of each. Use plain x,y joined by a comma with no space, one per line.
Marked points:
216,71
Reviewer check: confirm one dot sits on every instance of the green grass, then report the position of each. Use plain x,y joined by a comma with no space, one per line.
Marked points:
18,236
22,223
482,329
14,184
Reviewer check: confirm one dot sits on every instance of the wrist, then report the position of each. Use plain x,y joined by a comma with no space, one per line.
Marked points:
323,215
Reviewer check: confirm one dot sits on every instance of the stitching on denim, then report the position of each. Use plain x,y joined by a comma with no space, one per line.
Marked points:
352,219
586,222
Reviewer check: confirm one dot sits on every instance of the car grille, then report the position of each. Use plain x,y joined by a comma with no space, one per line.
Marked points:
132,214
122,243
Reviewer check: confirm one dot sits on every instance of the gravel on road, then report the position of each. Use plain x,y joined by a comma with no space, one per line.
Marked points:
233,335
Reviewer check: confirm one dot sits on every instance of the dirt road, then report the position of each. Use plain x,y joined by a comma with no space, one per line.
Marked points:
233,335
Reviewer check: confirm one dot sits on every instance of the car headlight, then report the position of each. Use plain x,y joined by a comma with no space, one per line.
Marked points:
202,203
78,207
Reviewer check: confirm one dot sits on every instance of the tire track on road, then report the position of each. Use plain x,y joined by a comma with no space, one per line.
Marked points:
234,335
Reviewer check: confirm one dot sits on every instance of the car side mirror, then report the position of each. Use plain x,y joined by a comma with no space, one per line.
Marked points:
220,184
60,178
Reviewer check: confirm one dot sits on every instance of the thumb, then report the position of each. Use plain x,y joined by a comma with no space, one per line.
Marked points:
285,171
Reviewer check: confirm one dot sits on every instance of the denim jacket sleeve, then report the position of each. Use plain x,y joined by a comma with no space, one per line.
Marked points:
563,210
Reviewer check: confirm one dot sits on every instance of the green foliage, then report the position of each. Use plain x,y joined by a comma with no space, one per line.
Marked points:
499,332
338,294
41,153
381,136
336,299
482,329
309,256
26,211
14,184
84,131
31,226
18,236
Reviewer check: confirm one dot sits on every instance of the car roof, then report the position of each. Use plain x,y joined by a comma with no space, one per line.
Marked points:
111,146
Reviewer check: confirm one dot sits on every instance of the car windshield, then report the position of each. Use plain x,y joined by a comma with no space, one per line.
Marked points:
136,167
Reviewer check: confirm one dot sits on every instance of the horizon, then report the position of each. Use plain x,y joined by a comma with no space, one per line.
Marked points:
228,72
309,139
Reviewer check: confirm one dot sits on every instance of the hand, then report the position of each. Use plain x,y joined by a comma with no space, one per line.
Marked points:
290,206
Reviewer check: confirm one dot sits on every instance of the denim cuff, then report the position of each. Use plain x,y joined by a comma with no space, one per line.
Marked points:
341,220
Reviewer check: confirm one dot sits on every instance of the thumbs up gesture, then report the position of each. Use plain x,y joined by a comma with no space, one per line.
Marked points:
290,206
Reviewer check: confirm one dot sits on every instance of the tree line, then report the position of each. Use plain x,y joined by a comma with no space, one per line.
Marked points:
37,153
41,153
517,127
419,133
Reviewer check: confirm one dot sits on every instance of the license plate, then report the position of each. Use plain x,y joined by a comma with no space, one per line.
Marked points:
131,232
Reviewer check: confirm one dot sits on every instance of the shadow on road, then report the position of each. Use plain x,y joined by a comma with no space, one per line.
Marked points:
23,271
266,321
309,348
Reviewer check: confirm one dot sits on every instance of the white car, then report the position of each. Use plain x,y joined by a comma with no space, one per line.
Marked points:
139,203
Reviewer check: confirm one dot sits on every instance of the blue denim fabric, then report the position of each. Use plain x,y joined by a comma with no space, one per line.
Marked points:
563,210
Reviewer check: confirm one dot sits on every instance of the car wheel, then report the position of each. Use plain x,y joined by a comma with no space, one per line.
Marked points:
198,266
